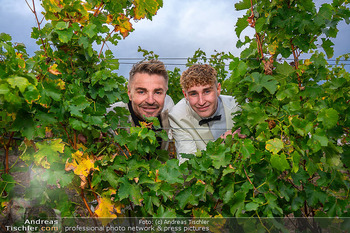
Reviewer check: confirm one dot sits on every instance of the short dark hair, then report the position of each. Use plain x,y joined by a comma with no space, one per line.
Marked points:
198,75
149,67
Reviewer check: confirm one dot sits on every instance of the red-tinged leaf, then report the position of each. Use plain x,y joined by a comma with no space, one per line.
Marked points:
53,70
124,26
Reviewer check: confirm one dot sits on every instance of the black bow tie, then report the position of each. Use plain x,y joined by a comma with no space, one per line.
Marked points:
215,118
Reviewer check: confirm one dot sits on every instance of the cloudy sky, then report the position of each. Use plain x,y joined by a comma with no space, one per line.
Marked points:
177,31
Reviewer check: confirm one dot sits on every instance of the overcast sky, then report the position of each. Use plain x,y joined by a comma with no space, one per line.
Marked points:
177,31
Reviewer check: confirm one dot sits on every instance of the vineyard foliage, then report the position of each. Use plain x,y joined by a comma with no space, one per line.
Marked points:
294,160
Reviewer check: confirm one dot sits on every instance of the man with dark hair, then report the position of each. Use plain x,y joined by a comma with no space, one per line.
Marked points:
203,115
147,87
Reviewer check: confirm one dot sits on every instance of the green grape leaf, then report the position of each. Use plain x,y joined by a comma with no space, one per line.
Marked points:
284,69
297,203
131,191
259,24
170,172
239,68
329,117
90,30
237,203
219,154
167,191
5,37
62,25
326,11
58,176
185,197
84,41
296,159
279,162
19,82
165,213
243,5
251,206
50,90
327,46
247,149
65,35
4,89
303,127
77,124
260,81
110,176
241,24
320,136
228,192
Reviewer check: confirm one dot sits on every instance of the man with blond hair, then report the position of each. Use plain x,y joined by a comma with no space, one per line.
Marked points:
203,114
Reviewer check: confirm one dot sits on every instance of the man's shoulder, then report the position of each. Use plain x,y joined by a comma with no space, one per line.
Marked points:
179,109
115,105
228,100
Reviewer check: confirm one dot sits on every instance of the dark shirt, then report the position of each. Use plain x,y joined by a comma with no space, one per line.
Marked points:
137,121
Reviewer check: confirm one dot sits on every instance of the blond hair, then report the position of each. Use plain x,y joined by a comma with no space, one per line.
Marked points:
198,75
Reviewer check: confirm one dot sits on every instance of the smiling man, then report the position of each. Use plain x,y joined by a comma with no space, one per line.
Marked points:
147,87
203,114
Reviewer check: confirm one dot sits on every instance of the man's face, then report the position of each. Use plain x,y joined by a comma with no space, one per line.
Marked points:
203,99
147,93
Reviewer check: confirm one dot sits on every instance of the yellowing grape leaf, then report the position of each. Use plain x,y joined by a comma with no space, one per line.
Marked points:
48,152
124,26
274,145
53,70
61,84
82,165
53,5
109,19
21,61
307,62
106,210
143,6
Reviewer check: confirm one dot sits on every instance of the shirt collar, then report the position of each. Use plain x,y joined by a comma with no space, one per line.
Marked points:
136,119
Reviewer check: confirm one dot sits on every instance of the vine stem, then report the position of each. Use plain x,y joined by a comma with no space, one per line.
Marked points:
121,150
85,203
252,24
249,179
261,222
258,38
33,10
291,182
69,139
92,189
217,203
104,42
7,149
296,65
98,9
75,141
